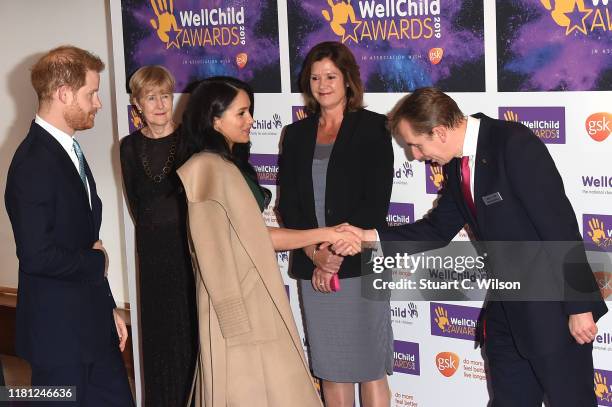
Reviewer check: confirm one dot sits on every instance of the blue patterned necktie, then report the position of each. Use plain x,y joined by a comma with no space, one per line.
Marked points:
79,153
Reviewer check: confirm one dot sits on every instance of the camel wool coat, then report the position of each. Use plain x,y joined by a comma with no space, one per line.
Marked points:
250,350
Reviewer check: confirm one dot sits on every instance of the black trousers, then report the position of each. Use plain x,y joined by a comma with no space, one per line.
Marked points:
103,383
564,377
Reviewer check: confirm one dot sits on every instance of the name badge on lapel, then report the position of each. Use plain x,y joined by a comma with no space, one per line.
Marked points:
492,198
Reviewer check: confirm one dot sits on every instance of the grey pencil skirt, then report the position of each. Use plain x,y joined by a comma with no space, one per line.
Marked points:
350,337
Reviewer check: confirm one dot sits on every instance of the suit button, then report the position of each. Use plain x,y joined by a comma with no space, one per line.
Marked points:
328,211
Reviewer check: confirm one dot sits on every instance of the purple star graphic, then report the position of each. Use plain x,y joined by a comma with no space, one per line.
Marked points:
173,38
577,18
350,30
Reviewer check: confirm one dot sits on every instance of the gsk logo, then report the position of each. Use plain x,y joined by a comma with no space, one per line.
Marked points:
447,363
435,55
241,60
598,125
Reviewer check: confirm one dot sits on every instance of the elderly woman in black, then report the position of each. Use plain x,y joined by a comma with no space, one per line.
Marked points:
166,285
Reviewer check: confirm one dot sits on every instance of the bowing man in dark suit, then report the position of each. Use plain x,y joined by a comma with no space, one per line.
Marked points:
534,348
67,327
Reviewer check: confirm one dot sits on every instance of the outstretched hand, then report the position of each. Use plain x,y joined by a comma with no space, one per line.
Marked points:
364,235
344,242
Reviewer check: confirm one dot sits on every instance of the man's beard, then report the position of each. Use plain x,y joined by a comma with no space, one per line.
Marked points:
77,118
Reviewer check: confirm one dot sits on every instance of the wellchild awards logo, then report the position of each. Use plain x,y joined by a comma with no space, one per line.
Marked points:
400,44
580,17
400,214
548,123
434,178
597,232
370,20
406,357
298,113
135,121
602,386
196,39
266,167
454,321
199,28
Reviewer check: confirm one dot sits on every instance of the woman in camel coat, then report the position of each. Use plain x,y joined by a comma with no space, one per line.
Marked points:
250,350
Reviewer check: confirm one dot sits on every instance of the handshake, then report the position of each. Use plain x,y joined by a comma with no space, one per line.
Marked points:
346,240
339,241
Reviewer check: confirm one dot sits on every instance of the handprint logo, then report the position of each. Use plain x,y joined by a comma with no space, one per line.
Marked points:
412,308
568,13
165,20
341,13
407,169
300,114
597,232
441,318
437,177
510,116
277,121
283,256
135,118
601,387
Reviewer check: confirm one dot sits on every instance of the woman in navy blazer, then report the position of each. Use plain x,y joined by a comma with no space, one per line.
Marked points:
336,166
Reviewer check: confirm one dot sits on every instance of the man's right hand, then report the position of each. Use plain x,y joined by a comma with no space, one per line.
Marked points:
366,235
99,246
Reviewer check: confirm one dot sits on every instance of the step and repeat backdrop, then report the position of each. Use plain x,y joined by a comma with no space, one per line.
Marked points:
544,63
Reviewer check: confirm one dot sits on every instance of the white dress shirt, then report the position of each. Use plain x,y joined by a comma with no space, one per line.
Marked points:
470,143
65,141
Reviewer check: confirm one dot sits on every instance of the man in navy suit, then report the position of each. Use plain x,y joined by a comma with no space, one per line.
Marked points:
502,182
67,325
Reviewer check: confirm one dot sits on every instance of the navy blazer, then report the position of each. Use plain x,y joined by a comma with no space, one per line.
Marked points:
358,184
511,161
64,303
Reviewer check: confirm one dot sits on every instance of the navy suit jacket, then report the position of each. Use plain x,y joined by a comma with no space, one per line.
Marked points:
64,304
511,161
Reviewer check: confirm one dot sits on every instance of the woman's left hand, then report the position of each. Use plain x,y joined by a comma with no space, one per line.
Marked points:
321,281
